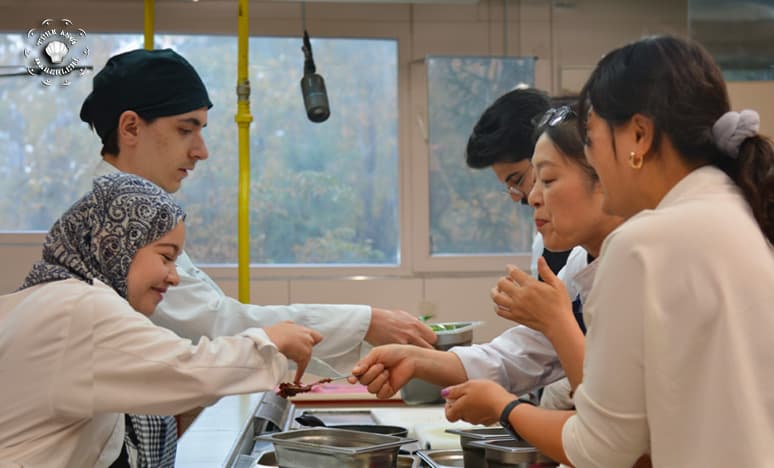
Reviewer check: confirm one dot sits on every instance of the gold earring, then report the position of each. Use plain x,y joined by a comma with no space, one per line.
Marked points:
635,163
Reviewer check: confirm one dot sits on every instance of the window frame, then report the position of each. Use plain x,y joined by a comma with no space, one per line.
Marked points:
414,258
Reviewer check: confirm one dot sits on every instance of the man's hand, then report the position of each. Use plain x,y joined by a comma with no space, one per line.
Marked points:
398,326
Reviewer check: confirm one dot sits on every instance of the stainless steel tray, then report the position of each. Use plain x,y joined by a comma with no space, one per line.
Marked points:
406,461
442,458
475,456
510,452
333,417
480,433
334,448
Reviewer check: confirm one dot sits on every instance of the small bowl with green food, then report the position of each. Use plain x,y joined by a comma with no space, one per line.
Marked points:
452,334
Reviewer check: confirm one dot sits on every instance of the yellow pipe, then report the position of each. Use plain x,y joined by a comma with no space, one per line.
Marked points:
150,17
243,119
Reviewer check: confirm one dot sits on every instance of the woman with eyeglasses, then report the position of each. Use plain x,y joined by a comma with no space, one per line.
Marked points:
567,198
521,359
680,316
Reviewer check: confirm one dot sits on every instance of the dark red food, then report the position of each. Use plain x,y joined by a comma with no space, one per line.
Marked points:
288,389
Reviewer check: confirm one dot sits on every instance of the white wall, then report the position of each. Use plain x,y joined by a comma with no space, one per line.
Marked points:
567,40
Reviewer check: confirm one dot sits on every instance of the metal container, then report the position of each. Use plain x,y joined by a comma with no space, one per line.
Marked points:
510,453
324,447
453,334
396,431
269,460
474,456
417,391
420,392
441,458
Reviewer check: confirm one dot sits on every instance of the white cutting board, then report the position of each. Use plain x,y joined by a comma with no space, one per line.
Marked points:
427,424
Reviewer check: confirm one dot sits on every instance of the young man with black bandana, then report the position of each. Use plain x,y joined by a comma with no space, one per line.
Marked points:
149,109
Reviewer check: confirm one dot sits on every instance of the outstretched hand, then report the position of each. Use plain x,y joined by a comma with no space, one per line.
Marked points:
295,342
385,369
400,327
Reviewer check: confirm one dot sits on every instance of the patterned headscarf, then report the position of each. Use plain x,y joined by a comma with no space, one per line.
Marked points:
97,238
100,234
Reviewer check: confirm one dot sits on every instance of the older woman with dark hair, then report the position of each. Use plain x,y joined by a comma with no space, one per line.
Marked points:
77,349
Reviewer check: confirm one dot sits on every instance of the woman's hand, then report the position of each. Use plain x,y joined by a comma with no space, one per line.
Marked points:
539,305
295,342
476,401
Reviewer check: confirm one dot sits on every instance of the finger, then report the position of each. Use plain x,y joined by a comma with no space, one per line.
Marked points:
378,382
501,299
302,363
420,343
316,336
427,336
364,364
494,292
373,372
509,287
507,314
385,392
519,276
546,274
453,392
451,412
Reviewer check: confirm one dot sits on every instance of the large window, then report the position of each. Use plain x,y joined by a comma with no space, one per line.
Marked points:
321,193
470,214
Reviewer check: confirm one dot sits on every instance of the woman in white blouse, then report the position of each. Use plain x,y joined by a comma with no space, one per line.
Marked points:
77,349
678,349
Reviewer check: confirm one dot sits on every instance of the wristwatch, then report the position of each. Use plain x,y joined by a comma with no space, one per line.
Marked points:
507,412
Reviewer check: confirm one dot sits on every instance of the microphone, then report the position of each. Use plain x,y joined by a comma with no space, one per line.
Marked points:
313,87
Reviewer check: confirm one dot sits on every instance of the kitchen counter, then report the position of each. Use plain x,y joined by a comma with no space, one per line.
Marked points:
219,429
212,435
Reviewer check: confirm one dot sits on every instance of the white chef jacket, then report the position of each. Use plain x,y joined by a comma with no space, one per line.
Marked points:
537,252
678,350
74,357
522,359
198,307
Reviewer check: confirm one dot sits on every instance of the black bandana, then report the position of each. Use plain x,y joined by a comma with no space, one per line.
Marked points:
100,234
153,83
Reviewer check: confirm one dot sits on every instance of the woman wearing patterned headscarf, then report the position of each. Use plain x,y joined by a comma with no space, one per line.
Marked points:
75,353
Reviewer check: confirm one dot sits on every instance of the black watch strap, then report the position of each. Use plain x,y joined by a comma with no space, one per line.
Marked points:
505,422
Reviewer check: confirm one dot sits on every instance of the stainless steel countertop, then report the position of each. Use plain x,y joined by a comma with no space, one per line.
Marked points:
209,439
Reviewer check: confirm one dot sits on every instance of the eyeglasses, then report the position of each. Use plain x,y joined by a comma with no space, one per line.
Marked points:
514,190
553,117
